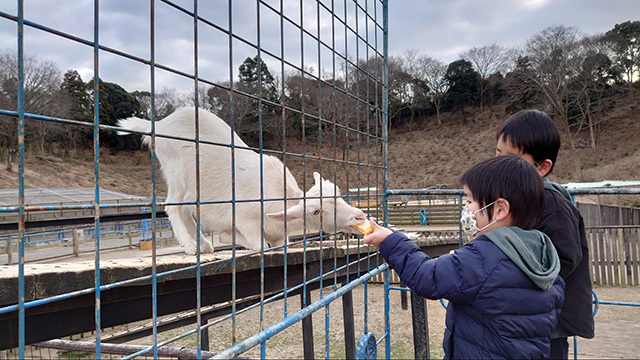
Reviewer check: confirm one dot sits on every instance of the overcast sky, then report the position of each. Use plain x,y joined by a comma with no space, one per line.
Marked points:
441,28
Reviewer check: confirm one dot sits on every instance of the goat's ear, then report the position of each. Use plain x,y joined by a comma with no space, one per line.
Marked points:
279,216
317,177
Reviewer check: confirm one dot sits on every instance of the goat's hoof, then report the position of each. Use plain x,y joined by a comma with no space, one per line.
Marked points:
206,247
190,249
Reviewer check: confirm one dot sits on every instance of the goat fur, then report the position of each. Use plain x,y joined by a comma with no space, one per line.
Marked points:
177,160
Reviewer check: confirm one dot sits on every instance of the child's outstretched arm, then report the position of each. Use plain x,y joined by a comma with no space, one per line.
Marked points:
431,278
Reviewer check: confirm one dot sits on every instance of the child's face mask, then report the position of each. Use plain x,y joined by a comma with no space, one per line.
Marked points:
469,223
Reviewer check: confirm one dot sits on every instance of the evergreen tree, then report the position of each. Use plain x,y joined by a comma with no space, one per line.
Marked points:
80,105
115,104
249,76
463,85
626,37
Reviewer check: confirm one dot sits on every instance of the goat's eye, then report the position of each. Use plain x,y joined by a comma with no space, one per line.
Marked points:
317,212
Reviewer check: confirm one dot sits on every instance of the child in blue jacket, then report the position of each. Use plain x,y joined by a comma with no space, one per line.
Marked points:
503,290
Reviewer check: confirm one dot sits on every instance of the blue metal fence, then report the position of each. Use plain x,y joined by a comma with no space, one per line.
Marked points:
44,237
357,93
355,78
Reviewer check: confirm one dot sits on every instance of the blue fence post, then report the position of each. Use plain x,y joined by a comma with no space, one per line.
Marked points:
21,227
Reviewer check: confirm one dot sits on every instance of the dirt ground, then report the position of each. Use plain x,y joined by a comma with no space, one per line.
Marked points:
617,327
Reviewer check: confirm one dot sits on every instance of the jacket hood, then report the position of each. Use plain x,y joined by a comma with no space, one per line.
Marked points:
556,187
531,250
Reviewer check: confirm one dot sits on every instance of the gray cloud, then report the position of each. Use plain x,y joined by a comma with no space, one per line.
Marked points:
442,28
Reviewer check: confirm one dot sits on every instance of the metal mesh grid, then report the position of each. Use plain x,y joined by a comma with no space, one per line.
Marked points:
340,120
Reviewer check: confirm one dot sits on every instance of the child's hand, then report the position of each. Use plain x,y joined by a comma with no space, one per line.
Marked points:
378,235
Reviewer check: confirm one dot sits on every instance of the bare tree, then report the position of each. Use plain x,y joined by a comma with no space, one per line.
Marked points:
554,58
520,90
487,60
398,95
167,100
433,71
42,81
592,84
417,88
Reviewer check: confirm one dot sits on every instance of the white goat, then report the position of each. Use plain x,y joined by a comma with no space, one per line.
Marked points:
177,160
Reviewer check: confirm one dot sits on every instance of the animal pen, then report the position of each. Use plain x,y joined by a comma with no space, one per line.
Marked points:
336,52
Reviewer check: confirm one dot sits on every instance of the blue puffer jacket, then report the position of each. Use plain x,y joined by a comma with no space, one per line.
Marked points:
495,310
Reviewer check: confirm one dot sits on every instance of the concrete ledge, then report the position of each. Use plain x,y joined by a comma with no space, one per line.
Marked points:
47,280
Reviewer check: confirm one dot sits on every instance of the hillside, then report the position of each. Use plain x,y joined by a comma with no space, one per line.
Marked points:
423,156
439,154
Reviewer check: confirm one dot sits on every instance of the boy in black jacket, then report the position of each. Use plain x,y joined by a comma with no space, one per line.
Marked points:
533,136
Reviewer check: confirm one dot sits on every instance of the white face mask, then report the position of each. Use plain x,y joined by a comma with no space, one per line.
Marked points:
469,223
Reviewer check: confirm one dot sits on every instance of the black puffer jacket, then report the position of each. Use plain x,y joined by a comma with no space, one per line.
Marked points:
563,223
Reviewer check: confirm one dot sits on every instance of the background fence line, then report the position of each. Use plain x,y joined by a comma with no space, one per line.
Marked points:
614,254
600,214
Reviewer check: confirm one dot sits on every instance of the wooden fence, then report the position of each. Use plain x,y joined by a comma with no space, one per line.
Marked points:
614,249
606,215
438,213
614,253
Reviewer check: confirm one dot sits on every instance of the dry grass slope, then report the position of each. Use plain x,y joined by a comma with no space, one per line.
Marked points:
425,156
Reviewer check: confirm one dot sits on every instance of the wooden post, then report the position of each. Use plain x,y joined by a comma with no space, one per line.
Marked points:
307,328
596,255
420,327
603,267
76,235
204,340
349,328
403,297
626,237
8,248
617,278
607,249
129,236
634,255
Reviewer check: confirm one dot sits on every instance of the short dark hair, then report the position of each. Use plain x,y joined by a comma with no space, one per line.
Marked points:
513,179
534,133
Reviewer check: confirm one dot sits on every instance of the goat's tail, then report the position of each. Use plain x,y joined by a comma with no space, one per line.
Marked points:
136,124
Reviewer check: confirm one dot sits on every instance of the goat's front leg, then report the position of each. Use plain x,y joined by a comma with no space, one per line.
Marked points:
184,227
180,230
205,244
251,235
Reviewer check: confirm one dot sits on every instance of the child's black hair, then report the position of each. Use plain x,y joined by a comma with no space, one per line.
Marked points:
534,133
513,179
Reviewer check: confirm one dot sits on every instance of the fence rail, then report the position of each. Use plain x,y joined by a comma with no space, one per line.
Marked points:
76,241
427,214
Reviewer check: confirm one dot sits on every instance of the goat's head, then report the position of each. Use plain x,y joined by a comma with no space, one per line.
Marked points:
335,213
